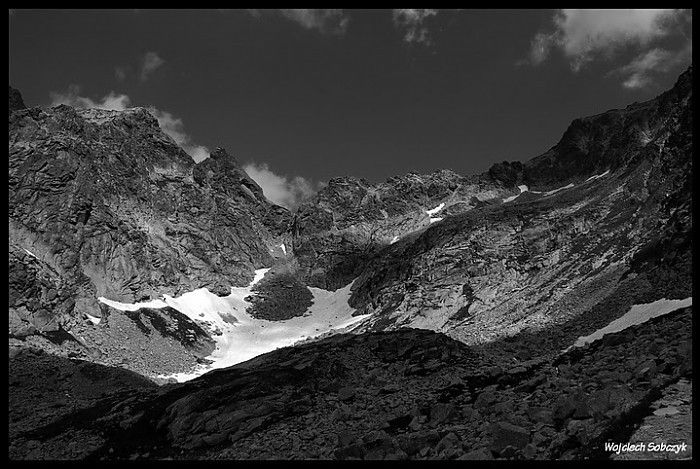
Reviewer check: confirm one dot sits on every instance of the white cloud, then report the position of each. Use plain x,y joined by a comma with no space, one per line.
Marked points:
281,190
326,21
150,62
112,101
171,125
640,72
584,35
410,22
174,127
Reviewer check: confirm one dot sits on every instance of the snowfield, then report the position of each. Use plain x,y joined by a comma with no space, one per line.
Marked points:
637,314
240,337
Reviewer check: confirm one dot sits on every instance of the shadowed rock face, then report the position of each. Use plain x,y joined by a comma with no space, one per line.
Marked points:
16,101
613,140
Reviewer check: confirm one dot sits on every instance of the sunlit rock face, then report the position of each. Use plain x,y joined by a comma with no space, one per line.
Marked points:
105,204
114,206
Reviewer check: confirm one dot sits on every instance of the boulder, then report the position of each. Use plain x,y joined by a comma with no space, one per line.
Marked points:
506,434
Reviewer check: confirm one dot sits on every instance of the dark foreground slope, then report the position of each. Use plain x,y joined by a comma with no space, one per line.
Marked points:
407,394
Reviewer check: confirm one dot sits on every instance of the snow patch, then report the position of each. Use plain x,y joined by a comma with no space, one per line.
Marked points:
259,274
30,253
568,186
284,248
522,189
132,306
434,220
436,209
394,239
597,176
93,319
637,314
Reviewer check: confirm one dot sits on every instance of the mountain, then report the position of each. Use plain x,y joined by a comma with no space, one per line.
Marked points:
104,204
434,316
600,222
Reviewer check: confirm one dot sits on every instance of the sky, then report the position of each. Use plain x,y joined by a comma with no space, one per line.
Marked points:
301,96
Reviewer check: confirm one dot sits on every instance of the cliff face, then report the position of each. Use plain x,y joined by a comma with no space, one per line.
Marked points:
106,204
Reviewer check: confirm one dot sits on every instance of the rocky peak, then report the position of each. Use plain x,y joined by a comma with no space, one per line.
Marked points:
223,175
611,140
221,153
16,101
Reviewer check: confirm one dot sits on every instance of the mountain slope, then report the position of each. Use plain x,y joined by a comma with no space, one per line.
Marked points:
588,246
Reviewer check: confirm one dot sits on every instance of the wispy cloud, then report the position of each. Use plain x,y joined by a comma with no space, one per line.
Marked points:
326,21
171,125
411,23
150,62
282,190
585,35
640,73
111,101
